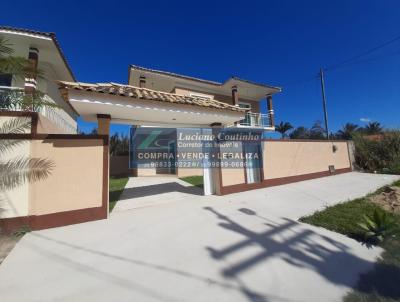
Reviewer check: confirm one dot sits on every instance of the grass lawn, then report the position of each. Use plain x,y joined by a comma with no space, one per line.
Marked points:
194,180
383,282
117,184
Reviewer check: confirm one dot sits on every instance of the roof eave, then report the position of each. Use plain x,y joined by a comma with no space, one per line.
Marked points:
171,74
64,86
276,88
44,34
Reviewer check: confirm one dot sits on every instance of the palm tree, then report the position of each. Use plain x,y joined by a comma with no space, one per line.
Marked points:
119,144
347,131
16,171
317,131
300,133
373,128
282,128
19,67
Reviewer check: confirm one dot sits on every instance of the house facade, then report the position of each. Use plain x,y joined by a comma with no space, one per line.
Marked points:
254,98
227,119
234,91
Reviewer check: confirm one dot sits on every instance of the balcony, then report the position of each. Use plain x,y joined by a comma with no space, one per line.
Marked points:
56,115
256,121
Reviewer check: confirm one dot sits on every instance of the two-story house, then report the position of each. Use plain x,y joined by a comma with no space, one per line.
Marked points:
44,51
234,91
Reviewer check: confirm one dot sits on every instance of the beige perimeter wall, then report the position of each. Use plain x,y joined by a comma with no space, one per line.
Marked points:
76,181
283,159
290,158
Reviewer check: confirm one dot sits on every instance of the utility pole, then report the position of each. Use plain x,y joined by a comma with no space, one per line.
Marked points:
321,74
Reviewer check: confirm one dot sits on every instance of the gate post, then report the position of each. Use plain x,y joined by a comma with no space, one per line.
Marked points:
215,159
103,128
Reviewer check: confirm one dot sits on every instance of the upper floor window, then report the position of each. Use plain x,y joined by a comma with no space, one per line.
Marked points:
5,79
200,95
245,105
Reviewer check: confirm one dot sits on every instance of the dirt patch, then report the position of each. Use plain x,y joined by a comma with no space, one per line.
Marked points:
7,243
389,199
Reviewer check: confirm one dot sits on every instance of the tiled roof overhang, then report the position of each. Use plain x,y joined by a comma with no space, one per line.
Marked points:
145,94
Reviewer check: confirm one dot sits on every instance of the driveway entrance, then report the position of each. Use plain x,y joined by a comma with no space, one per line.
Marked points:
240,247
147,191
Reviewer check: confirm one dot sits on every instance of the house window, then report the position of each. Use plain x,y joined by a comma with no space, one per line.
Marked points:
200,95
5,79
244,105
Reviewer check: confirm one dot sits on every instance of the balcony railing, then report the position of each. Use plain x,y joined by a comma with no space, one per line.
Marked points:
57,116
256,120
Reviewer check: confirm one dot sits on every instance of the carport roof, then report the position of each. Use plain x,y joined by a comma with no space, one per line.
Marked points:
145,94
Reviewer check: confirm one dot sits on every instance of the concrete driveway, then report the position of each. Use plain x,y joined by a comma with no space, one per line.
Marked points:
241,247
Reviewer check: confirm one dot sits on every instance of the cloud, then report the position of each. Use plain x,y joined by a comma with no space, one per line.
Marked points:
365,119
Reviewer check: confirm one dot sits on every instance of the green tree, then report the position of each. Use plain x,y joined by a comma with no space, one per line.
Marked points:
119,144
16,171
373,128
283,127
347,131
16,66
317,131
300,133
381,155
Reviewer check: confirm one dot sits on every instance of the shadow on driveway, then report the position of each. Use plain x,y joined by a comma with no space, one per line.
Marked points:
137,192
305,249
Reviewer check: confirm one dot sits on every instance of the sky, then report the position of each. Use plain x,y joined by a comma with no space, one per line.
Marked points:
282,43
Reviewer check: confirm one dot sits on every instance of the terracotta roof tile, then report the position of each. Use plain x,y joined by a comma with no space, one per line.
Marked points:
147,94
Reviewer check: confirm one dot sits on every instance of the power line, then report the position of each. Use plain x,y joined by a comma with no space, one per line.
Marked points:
344,63
300,82
350,62
334,66
373,59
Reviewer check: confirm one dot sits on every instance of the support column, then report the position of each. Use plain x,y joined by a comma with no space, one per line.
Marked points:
270,110
30,78
103,124
235,96
215,159
103,128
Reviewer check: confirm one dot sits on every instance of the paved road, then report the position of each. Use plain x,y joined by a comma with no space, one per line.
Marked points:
176,245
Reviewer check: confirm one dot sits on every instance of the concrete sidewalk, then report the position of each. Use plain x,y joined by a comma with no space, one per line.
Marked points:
240,247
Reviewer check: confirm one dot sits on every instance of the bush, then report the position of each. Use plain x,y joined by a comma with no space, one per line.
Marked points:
377,226
381,155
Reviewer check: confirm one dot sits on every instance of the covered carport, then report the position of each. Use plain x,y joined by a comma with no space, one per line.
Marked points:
124,104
